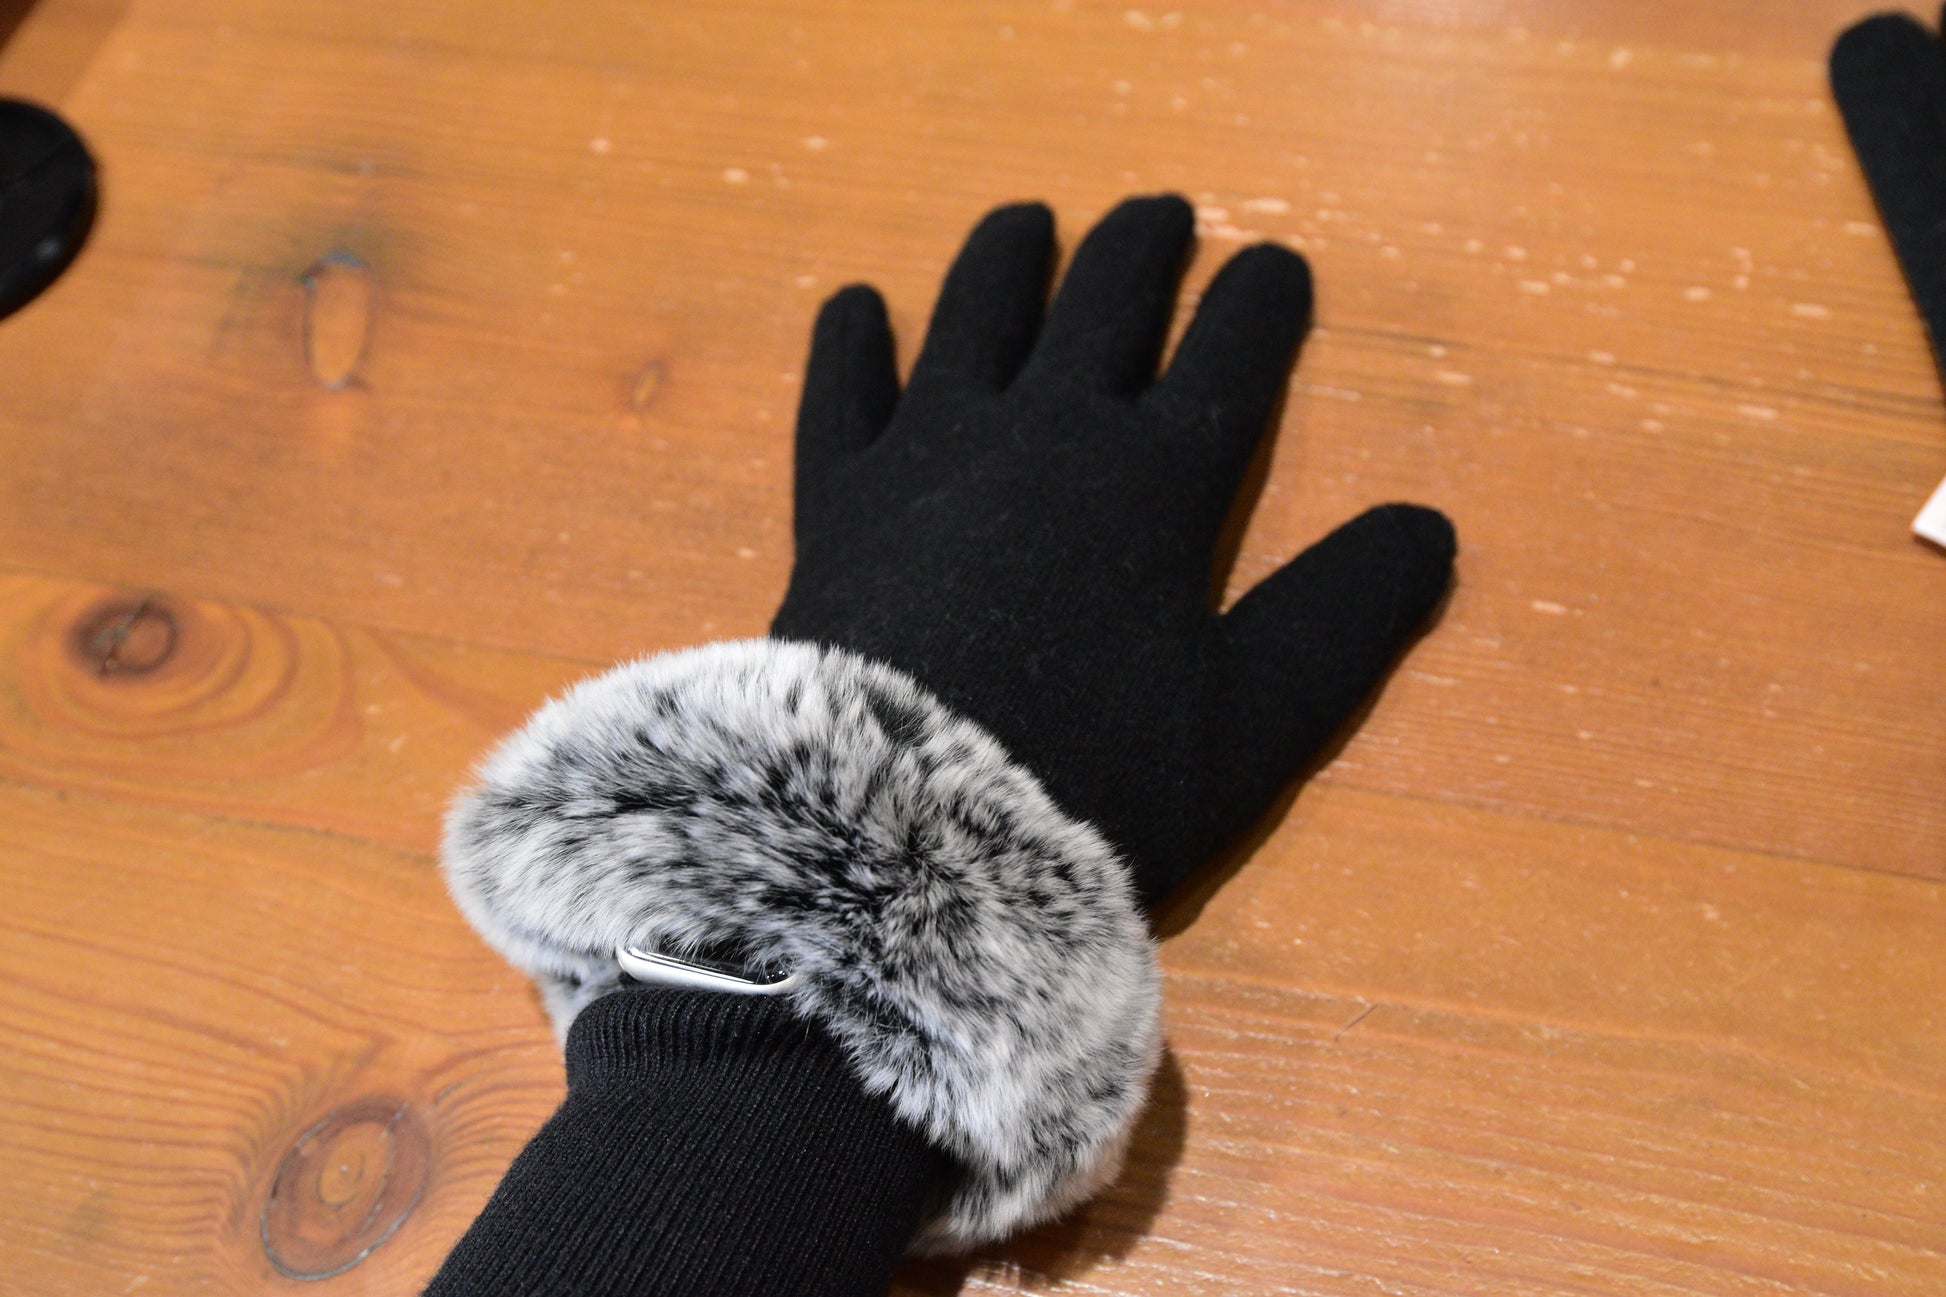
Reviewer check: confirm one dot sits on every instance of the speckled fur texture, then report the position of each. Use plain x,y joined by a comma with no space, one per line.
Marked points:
977,952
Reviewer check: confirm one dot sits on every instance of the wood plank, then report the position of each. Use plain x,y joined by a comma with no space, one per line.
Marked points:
45,47
426,357
184,996
247,713
1668,385
1481,1055
1471,1053
1406,1036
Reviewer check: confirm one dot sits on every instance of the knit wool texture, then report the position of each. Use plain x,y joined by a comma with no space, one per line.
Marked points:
1888,75
47,200
709,1146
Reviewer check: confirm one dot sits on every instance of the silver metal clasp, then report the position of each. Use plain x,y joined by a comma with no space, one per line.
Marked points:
702,973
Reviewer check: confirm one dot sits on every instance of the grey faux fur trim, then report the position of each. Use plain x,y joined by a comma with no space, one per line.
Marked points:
977,952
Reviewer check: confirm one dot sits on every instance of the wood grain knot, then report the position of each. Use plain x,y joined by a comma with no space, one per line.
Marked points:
646,387
345,1185
122,638
130,684
337,317
130,660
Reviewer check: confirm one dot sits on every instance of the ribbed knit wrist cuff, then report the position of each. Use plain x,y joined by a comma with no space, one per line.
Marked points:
709,1145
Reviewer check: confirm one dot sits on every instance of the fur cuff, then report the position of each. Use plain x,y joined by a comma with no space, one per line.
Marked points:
977,953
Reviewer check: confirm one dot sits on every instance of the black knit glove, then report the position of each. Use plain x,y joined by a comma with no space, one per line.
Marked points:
998,716
47,200
1029,529
1888,75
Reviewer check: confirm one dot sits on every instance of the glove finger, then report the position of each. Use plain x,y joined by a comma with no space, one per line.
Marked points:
1231,366
1111,313
1889,79
851,385
1301,651
990,306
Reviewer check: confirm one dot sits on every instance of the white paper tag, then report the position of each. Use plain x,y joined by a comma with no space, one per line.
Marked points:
1931,522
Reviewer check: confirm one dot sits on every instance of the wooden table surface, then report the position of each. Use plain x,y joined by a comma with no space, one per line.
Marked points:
427,356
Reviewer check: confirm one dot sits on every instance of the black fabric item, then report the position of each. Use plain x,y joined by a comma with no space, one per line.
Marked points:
47,200
709,1146
1888,75
1029,529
